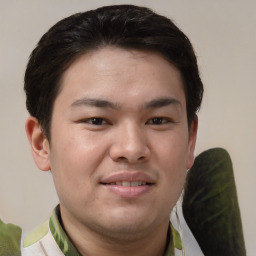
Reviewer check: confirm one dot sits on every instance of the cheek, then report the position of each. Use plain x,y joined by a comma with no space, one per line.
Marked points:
173,175
171,156
172,150
75,156
71,172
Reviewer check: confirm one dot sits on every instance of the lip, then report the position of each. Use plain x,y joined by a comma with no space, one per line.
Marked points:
131,176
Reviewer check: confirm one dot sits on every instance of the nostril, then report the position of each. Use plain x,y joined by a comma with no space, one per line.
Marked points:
129,151
122,158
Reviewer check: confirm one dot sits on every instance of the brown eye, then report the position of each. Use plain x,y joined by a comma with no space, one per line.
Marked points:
158,121
96,121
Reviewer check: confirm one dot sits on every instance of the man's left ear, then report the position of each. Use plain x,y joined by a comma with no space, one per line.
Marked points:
192,143
40,147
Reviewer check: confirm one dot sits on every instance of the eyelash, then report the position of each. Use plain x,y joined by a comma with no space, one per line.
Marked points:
162,120
98,121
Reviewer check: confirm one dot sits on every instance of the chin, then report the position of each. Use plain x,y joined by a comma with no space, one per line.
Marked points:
129,221
123,232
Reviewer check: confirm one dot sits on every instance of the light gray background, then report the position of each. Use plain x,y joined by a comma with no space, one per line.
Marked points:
223,33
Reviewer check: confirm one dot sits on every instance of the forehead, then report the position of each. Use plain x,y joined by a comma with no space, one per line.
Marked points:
114,70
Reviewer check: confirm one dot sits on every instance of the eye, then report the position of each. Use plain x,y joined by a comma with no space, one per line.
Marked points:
95,121
159,120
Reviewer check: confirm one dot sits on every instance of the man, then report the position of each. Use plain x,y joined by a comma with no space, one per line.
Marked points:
113,95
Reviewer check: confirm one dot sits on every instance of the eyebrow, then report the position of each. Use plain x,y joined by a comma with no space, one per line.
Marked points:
101,103
162,102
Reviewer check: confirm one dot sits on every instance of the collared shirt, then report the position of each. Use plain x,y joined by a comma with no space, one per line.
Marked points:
50,239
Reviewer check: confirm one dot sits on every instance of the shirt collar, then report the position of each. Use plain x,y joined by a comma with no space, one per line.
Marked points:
60,236
66,246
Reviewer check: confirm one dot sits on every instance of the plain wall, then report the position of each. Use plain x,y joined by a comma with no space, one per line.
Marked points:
224,37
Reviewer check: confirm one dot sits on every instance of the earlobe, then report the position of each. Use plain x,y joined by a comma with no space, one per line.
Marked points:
192,143
39,144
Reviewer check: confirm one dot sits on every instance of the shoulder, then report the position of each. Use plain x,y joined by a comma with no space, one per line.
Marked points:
40,242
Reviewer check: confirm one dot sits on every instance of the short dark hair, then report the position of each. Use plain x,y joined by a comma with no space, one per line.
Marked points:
123,26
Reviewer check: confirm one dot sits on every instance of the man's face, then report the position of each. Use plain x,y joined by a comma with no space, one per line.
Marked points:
120,145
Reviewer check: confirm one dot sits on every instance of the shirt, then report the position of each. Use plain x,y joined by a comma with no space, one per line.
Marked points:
50,239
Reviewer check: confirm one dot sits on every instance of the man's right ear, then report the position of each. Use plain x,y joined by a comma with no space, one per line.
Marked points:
39,144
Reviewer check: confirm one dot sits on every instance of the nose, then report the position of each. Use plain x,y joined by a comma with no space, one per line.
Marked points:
130,144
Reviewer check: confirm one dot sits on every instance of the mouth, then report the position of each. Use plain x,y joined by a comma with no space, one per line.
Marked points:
129,184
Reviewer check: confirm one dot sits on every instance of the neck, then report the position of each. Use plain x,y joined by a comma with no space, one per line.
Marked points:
90,242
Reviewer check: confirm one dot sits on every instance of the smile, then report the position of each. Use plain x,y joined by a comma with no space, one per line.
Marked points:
128,183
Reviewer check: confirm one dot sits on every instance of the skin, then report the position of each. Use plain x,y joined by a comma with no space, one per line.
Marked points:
141,127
